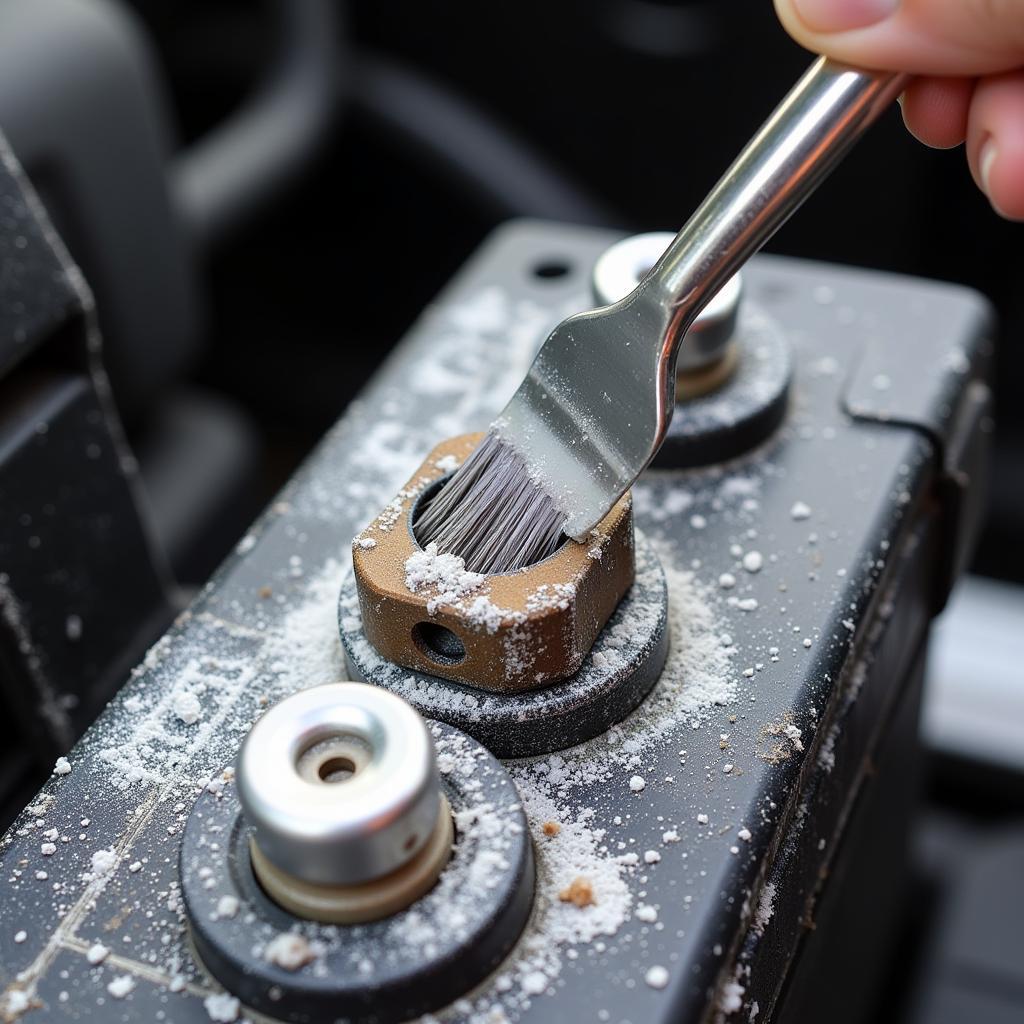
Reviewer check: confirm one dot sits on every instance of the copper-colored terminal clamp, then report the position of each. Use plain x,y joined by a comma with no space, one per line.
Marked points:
505,632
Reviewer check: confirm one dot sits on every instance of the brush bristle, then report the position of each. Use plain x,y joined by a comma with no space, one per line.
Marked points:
492,513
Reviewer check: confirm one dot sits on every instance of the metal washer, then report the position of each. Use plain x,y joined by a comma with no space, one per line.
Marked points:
621,669
416,969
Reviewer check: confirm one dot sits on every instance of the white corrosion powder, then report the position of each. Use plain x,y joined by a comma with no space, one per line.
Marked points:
186,707
731,998
121,986
656,977
16,1001
697,677
765,908
753,561
227,906
221,1008
443,574
97,953
290,951
103,862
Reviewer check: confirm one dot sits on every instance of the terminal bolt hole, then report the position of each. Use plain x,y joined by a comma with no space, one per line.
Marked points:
438,643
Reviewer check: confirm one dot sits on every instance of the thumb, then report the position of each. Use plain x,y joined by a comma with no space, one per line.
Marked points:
924,37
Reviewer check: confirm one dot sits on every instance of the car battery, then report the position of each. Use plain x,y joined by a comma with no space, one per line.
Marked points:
705,822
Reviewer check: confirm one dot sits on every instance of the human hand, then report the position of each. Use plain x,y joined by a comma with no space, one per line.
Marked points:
969,56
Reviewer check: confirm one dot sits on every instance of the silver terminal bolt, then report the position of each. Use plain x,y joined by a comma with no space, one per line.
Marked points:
341,786
618,271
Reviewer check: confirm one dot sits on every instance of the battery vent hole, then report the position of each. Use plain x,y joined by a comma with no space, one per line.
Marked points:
438,643
549,270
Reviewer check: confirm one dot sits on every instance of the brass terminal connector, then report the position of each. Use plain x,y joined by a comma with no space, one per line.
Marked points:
505,632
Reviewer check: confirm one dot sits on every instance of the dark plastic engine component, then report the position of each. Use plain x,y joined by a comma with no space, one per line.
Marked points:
68,504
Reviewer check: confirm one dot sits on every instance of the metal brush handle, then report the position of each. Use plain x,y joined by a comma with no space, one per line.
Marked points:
597,402
824,114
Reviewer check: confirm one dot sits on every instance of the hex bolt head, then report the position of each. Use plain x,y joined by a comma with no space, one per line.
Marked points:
340,784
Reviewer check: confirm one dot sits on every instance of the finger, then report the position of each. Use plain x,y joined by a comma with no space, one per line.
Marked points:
995,142
935,110
924,37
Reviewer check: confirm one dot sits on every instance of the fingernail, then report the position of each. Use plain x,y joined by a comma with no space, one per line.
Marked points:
843,15
986,161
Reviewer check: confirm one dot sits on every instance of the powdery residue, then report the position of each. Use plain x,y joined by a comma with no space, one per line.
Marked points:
221,1008
186,707
444,576
578,856
165,726
305,650
731,998
291,951
765,908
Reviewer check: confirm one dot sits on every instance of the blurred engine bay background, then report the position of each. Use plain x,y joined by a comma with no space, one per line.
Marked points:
265,161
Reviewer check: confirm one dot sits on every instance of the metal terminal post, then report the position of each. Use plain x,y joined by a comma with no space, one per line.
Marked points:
707,354
341,787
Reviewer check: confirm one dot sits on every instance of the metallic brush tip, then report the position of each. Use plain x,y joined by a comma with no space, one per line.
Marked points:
492,513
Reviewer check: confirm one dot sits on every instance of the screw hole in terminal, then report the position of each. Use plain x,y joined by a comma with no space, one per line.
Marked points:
337,769
333,759
438,643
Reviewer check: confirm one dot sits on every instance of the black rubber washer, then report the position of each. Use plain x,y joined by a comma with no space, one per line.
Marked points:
744,411
621,669
409,964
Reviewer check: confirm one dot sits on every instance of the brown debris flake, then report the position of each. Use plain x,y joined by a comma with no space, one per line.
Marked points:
551,828
779,740
118,919
579,892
